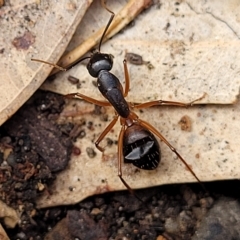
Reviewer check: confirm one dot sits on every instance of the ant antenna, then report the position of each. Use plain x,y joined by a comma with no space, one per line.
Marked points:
77,62
103,3
99,47
57,66
51,64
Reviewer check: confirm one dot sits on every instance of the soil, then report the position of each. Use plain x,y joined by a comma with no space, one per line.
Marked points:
28,140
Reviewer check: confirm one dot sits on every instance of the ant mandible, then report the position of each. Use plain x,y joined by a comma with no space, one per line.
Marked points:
136,142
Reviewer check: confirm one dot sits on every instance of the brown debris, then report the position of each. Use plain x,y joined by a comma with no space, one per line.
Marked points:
24,42
185,123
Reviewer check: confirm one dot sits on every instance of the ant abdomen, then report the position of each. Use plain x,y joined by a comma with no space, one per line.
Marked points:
141,148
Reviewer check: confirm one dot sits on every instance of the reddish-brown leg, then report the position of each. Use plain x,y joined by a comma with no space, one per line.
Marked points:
99,103
105,132
120,160
120,156
169,103
127,79
88,99
157,133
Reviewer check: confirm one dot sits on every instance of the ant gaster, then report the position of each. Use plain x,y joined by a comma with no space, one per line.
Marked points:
137,143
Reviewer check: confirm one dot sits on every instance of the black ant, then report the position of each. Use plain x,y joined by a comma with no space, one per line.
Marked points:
136,142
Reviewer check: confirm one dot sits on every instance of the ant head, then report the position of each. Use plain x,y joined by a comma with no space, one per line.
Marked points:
99,61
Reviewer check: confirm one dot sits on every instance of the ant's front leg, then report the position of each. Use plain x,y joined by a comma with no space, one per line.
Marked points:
88,99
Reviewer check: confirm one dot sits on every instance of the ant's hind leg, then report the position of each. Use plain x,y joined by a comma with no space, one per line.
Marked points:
120,160
160,136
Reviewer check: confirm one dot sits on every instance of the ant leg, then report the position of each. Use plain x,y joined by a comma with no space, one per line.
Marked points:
105,132
88,99
120,160
157,133
171,103
127,79
120,156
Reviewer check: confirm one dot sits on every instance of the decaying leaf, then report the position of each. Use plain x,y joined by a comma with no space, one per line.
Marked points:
9,215
193,48
40,29
210,148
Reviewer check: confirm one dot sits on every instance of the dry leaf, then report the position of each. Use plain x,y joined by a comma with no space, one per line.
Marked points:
210,148
193,47
3,234
194,50
39,29
9,215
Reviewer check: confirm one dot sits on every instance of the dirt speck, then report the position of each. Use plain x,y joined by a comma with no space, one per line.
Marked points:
185,123
24,42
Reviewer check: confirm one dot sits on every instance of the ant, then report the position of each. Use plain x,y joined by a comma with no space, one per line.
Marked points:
137,143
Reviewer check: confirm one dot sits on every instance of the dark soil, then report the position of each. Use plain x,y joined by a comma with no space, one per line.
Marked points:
32,135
